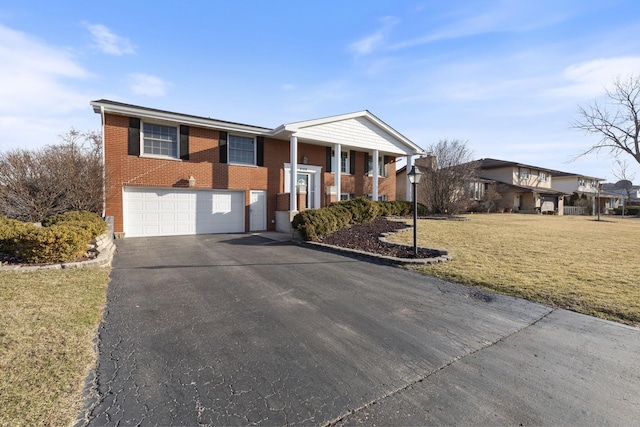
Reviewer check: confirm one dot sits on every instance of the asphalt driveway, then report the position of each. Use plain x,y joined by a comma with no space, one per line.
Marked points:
242,330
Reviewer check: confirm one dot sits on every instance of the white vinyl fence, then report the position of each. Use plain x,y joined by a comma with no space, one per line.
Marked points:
575,210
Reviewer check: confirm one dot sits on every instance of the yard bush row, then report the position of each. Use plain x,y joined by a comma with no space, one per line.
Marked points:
320,222
61,238
631,211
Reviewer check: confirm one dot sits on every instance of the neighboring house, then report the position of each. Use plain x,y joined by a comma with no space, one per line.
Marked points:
169,173
403,190
586,186
631,198
524,188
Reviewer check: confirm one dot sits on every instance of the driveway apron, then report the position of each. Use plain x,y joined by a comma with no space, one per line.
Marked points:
242,330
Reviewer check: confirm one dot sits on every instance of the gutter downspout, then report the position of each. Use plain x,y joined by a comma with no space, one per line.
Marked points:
104,182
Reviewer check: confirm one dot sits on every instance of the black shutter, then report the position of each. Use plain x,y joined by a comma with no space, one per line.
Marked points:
134,136
329,165
223,147
184,142
352,162
366,163
260,151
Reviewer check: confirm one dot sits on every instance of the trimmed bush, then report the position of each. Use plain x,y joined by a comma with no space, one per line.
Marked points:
362,209
93,223
56,243
397,208
62,237
315,223
631,211
9,231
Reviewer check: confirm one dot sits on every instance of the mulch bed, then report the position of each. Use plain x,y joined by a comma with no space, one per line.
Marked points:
365,237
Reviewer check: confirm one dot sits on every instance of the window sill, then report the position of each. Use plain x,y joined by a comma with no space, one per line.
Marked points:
158,157
243,164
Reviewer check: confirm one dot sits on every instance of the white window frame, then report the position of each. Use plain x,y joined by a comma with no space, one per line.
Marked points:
143,153
383,170
524,173
347,196
347,168
543,176
255,149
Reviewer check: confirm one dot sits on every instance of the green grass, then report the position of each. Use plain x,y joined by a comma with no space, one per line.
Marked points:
572,262
48,320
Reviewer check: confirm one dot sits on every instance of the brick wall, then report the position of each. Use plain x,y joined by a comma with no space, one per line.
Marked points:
203,164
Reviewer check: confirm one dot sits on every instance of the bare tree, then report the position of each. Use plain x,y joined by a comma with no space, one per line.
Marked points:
621,171
445,186
490,198
35,184
615,119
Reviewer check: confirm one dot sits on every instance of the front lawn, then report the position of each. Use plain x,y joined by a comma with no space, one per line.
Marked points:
48,320
573,262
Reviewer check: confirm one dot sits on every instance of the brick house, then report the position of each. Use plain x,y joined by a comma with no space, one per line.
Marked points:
169,173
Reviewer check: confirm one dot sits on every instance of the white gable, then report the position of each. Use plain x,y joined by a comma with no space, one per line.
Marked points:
358,132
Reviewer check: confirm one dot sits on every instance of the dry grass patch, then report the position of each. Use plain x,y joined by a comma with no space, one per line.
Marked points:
571,262
48,320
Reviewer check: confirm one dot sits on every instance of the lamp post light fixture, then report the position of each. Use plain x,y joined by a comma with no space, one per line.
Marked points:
414,178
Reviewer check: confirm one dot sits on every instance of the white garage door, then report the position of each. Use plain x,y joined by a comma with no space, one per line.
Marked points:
170,212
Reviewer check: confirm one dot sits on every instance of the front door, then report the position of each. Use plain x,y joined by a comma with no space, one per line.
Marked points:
305,180
258,211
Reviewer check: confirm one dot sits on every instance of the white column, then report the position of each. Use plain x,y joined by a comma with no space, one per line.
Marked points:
374,196
410,163
293,196
337,148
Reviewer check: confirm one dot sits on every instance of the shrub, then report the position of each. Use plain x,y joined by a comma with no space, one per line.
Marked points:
92,222
56,243
627,211
397,208
362,209
315,223
9,230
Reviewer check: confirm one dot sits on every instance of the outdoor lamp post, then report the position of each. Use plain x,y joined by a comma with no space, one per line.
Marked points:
414,178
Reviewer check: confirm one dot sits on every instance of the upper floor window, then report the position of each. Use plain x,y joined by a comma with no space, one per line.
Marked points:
242,150
524,173
581,182
382,168
544,176
160,140
344,161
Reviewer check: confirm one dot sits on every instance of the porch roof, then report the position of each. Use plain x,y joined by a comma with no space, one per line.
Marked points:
360,129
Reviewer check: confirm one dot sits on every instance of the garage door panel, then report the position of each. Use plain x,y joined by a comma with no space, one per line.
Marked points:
166,212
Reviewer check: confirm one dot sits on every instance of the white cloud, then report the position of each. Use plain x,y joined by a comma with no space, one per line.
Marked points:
35,76
148,85
497,17
108,42
589,79
367,44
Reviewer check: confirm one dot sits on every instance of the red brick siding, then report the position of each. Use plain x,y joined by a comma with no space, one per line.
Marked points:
125,170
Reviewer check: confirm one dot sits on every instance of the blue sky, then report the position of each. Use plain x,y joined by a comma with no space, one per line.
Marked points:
508,76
